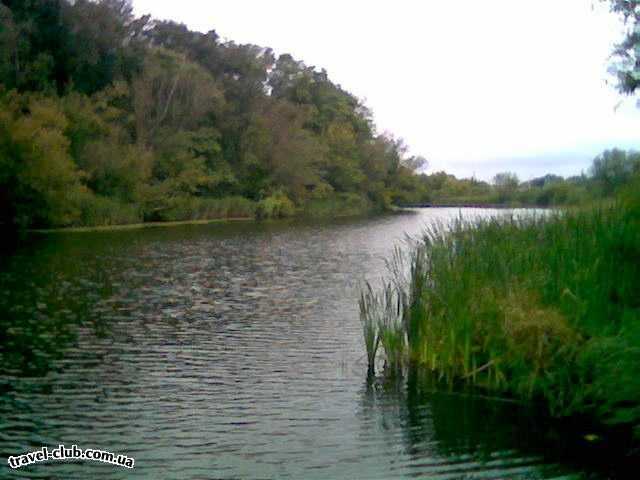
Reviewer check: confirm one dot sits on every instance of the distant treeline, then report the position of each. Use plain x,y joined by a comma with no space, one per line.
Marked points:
609,173
108,119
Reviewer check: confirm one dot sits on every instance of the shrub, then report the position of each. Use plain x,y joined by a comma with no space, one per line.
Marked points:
277,205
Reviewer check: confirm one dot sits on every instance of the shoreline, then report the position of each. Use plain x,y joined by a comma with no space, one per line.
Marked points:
395,210
486,206
138,226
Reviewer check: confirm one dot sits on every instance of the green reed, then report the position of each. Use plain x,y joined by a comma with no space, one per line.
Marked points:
370,311
539,307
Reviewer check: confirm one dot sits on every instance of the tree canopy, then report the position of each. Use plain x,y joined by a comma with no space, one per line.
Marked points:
108,118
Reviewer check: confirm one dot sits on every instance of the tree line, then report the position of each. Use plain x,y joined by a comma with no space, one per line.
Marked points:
609,173
106,118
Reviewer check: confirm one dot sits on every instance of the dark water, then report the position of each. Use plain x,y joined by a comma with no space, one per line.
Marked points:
232,351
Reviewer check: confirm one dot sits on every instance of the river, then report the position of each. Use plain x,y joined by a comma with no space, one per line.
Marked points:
233,350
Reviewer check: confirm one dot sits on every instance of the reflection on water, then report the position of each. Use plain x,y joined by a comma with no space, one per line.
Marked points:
230,351
451,434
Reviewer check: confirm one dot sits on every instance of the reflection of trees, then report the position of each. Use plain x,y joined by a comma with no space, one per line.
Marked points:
387,406
440,425
469,423
44,298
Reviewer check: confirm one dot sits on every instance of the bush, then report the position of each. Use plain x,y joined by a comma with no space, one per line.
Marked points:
277,205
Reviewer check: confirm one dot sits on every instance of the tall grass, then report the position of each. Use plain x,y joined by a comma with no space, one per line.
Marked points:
194,208
370,314
96,210
543,308
382,320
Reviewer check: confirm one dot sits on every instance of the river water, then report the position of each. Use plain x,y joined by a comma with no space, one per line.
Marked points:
233,351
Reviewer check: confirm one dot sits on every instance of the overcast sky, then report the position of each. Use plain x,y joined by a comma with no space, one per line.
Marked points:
475,86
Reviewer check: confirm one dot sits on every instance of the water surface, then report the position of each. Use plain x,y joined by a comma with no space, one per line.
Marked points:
233,351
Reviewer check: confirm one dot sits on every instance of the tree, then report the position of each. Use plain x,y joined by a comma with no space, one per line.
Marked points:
277,148
172,92
201,48
506,180
506,184
32,40
37,175
627,68
546,180
614,169
415,163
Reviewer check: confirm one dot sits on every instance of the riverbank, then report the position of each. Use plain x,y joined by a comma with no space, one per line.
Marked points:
493,206
136,226
272,208
543,309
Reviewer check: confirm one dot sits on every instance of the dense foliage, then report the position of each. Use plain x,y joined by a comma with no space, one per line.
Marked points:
107,119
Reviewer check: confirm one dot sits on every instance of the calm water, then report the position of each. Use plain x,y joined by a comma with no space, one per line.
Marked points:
232,351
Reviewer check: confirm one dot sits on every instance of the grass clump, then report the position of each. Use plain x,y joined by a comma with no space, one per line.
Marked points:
370,310
542,308
381,318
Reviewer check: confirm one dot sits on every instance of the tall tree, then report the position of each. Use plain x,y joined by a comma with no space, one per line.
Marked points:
173,93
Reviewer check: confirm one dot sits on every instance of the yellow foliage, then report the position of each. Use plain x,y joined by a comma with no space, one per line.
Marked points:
533,331
46,175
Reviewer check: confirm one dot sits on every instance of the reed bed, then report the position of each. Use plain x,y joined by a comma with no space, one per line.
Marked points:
541,308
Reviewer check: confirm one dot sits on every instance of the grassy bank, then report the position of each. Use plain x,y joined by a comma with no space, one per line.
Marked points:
107,215
544,309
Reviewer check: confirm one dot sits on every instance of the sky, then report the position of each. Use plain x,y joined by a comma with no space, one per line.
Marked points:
477,87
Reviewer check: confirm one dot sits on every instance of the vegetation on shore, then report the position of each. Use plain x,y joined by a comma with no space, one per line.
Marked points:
108,119
609,172
541,308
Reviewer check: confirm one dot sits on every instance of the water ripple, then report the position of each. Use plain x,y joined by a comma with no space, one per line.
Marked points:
235,352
